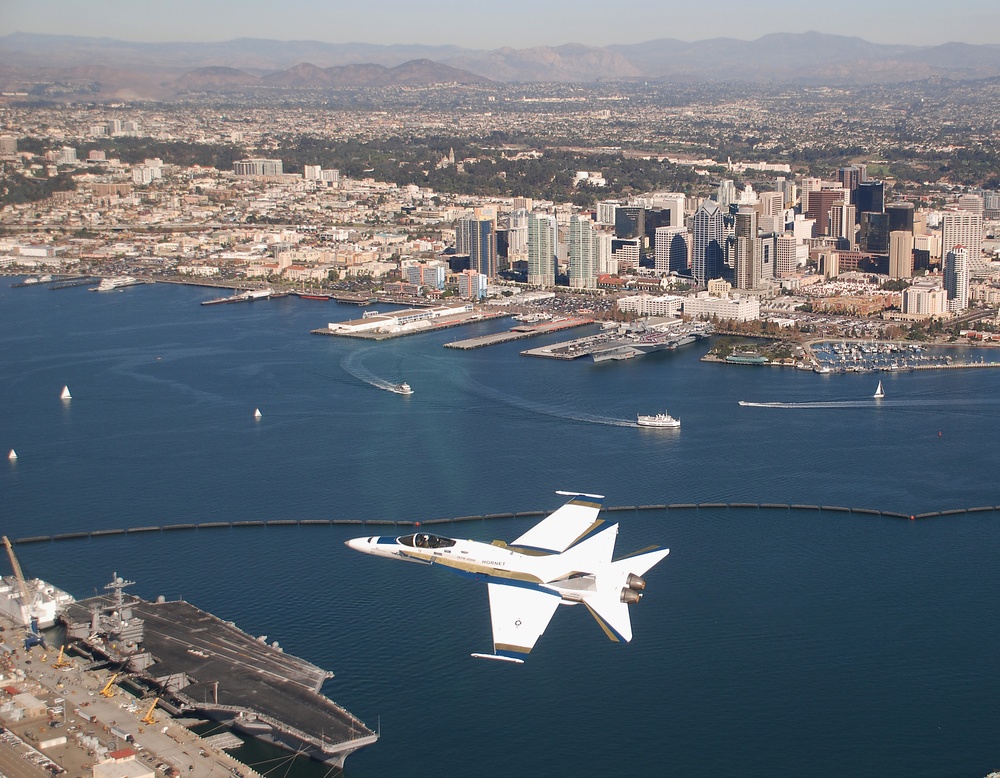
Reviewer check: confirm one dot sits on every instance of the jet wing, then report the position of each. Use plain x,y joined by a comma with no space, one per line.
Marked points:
565,526
519,617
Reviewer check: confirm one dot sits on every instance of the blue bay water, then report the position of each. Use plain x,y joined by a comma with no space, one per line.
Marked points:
770,641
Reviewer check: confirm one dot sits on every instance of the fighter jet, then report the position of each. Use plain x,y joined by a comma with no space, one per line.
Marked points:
561,560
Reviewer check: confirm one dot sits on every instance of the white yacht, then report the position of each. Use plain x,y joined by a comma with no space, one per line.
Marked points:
663,420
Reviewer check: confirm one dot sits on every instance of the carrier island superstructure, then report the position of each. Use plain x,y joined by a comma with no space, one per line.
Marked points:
196,665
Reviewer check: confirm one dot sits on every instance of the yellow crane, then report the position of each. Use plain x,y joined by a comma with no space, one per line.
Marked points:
109,687
60,663
148,718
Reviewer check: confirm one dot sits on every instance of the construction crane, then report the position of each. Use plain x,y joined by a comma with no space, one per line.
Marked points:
109,687
60,663
26,601
148,718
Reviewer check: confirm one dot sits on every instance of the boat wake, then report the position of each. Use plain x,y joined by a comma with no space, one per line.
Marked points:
873,402
352,364
546,410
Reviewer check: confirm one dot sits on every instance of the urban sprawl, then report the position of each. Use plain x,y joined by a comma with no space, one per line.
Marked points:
759,245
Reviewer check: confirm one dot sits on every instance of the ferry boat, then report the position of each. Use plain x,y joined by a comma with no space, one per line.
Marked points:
402,389
662,420
117,282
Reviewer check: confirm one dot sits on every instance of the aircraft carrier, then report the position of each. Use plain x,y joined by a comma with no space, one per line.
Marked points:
201,666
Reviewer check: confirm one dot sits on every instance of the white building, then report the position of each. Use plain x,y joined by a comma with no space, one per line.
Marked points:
737,308
925,298
956,278
963,228
543,246
650,305
672,249
583,250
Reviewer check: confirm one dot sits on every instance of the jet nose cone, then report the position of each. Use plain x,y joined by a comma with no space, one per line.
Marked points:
358,544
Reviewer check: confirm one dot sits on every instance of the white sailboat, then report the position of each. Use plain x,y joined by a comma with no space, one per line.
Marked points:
12,455
879,391
257,414
65,394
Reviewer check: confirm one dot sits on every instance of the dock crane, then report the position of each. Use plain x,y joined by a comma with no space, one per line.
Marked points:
26,601
109,687
32,637
148,718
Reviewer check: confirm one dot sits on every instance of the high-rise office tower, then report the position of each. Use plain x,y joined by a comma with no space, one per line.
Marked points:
771,203
606,263
820,203
874,233
870,197
726,194
788,189
956,278
842,224
849,178
483,246
671,248
748,257
630,221
971,202
810,185
900,254
786,255
900,216
606,211
517,235
543,246
962,228
582,253
708,237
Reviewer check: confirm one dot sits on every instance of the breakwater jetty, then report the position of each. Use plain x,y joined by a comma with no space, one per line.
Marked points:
740,506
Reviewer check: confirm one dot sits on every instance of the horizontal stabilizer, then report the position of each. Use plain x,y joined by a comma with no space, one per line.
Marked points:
612,614
640,563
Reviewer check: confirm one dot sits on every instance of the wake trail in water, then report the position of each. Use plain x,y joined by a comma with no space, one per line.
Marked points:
352,364
902,403
533,407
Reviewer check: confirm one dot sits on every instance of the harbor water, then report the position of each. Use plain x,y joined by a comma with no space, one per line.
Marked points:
770,641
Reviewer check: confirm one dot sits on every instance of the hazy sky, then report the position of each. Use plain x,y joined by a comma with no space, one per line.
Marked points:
514,23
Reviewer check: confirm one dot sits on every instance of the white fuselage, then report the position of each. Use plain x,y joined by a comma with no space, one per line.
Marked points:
485,561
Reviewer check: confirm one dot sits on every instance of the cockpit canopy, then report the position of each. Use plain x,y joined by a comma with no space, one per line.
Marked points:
426,540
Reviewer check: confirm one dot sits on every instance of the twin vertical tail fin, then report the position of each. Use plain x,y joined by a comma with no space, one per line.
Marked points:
620,587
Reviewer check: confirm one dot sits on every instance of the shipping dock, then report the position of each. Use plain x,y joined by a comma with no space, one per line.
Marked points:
626,342
198,665
519,332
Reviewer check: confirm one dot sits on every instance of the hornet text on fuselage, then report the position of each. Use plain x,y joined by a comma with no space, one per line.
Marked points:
561,560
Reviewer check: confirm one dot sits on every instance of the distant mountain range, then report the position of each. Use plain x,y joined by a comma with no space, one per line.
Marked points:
113,68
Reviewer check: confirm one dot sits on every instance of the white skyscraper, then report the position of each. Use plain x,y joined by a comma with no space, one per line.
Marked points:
543,244
582,253
956,278
963,228
671,249
517,235
726,193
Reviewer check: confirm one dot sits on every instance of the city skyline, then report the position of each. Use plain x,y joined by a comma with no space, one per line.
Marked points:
521,25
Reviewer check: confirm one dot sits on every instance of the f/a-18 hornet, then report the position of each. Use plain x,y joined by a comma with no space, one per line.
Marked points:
558,561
